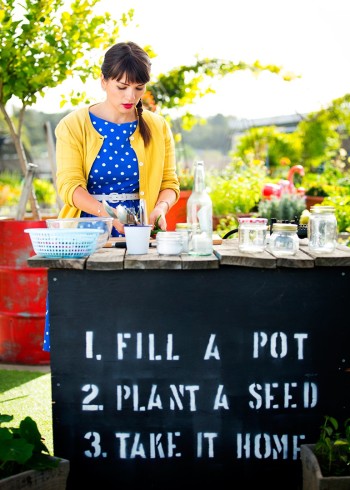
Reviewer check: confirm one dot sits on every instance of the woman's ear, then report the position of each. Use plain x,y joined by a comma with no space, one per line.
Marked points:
103,82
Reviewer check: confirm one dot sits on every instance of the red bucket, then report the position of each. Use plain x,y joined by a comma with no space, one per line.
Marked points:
23,291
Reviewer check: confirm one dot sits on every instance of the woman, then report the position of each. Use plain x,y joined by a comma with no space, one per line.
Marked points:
116,151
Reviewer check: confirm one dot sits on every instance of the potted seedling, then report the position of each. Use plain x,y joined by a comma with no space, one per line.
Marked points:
25,461
326,464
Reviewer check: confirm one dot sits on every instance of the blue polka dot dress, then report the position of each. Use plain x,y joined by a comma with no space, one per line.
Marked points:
115,168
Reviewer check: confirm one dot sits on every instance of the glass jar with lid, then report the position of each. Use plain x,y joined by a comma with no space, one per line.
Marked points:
322,229
183,229
252,234
284,240
169,243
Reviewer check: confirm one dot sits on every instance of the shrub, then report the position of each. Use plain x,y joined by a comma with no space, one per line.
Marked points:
238,188
286,208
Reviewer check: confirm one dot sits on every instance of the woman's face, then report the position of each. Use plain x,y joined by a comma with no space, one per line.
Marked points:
121,95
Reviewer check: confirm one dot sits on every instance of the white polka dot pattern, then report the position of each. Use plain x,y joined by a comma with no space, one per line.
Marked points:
115,168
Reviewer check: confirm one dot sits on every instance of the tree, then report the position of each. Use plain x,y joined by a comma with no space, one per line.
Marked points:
270,145
318,139
41,44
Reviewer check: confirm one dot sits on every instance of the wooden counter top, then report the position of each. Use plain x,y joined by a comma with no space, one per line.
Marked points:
225,254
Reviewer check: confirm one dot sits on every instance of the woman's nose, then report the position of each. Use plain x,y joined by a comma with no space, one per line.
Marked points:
131,94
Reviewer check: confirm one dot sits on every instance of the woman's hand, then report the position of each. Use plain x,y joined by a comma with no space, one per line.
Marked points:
158,216
118,226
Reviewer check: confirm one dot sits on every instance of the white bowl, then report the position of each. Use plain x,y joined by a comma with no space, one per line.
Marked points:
102,223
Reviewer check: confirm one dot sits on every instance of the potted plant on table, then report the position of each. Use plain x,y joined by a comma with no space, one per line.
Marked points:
25,461
326,464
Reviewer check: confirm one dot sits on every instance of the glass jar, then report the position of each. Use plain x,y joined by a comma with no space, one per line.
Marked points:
322,229
252,234
284,240
183,228
169,243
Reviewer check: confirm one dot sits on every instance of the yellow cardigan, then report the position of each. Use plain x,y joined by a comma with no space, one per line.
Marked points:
77,146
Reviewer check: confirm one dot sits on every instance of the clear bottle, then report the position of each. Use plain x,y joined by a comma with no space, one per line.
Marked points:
200,215
284,240
322,229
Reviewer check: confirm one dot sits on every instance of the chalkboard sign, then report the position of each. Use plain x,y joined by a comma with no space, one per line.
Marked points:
165,379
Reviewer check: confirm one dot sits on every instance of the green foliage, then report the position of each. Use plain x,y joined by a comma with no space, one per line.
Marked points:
285,208
22,448
333,448
237,189
318,139
322,132
44,191
268,144
227,224
332,181
11,186
185,176
342,211
43,42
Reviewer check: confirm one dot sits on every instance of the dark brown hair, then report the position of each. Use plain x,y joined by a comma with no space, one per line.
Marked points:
132,61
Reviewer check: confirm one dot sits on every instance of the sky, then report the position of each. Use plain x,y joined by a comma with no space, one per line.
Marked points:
309,38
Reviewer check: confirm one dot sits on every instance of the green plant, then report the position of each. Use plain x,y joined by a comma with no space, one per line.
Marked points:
11,186
226,225
238,188
185,176
342,211
285,208
333,448
156,228
22,448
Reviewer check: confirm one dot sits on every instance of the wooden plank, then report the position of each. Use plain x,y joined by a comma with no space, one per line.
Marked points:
152,260
339,258
300,260
106,260
228,254
37,261
190,262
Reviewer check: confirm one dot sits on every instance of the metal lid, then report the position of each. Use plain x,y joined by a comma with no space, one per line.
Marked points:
322,209
256,221
168,236
284,227
182,226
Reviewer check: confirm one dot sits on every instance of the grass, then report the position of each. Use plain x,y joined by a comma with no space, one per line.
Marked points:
27,393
